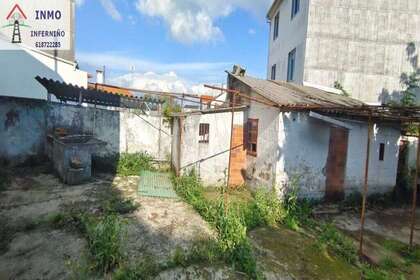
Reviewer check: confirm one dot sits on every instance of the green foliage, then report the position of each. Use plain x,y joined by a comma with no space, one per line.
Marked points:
233,244
5,179
132,164
71,221
372,273
337,242
147,268
410,255
268,208
169,108
388,264
115,204
104,237
338,86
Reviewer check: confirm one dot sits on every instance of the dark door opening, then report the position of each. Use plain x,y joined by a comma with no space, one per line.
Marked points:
336,164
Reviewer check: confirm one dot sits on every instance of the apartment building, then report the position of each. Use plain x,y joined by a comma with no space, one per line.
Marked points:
362,45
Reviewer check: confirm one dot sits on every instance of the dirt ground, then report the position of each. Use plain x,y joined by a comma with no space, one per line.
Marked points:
31,250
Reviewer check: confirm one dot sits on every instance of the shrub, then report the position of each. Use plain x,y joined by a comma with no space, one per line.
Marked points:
265,209
233,244
104,241
132,164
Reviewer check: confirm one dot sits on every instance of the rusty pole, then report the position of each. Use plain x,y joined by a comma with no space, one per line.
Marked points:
230,151
413,209
365,187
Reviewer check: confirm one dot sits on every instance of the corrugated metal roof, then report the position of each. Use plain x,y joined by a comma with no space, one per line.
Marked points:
69,92
289,94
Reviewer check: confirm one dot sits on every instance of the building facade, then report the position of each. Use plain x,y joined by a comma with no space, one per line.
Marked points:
323,156
365,46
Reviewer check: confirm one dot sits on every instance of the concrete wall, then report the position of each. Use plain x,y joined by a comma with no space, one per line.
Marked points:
24,64
361,44
292,34
24,124
304,143
209,160
22,129
293,145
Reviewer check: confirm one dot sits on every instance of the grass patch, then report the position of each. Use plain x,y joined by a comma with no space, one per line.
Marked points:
5,179
104,236
338,243
132,164
203,251
233,223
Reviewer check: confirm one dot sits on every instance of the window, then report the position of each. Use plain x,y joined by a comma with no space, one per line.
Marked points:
273,72
204,133
295,7
252,137
276,26
291,65
382,152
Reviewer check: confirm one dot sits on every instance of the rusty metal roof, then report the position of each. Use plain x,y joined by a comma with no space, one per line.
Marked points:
293,95
68,92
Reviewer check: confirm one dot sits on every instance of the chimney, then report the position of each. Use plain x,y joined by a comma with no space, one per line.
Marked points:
100,76
238,70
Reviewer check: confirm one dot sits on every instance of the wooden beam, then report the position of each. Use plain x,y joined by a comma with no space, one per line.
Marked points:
414,204
365,187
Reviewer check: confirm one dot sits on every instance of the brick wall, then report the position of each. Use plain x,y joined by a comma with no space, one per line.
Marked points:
238,160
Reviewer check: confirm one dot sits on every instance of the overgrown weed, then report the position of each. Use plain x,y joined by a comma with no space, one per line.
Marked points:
5,179
233,244
133,164
104,236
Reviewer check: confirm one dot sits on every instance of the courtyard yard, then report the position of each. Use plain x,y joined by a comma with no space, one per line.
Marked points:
105,230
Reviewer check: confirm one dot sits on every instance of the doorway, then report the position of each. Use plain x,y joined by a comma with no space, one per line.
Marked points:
336,164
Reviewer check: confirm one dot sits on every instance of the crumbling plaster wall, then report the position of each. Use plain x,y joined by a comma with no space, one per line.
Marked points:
303,153
124,131
261,169
22,130
25,123
209,160
294,147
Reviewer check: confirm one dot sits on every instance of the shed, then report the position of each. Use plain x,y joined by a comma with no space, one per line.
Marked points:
304,137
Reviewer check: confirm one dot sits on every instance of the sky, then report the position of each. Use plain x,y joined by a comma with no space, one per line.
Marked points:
171,45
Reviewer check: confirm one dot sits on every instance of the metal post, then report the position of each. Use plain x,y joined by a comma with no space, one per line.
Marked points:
180,127
182,102
230,152
365,188
414,206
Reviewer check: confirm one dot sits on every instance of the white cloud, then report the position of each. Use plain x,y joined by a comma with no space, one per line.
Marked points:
252,31
206,71
193,21
168,82
111,9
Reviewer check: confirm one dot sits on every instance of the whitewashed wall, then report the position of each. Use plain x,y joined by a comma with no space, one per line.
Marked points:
294,145
20,66
209,160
